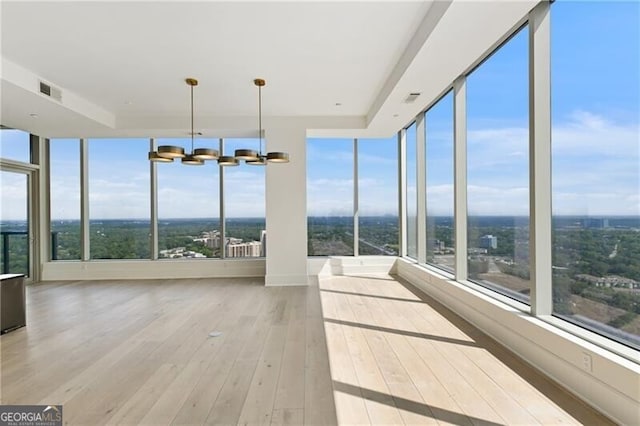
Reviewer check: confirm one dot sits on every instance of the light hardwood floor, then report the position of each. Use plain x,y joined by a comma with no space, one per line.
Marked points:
399,357
138,352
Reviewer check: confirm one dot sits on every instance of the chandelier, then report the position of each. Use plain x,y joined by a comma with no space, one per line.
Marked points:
197,156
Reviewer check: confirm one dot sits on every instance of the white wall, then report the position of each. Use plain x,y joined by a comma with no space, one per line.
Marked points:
351,265
151,269
613,384
286,210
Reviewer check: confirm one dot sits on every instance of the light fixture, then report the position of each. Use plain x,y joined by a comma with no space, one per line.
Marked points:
197,156
261,159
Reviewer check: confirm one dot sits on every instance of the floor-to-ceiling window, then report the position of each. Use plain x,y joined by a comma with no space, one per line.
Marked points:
498,169
188,206
64,199
439,187
119,212
596,166
411,163
244,203
330,197
378,196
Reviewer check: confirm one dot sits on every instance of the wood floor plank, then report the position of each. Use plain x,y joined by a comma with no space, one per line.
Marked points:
287,417
319,403
350,405
135,408
258,405
291,383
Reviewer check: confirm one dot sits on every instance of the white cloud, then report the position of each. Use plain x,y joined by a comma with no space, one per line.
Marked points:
596,167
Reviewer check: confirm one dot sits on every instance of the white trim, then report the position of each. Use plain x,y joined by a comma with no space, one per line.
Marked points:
84,201
223,226
421,192
402,191
356,203
152,269
153,193
44,195
17,166
540,241
286,280
460,175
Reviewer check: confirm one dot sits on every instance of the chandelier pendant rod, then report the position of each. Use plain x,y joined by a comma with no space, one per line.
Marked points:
260,116
192,119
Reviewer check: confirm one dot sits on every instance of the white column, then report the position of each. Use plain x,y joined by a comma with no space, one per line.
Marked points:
540,160
286,208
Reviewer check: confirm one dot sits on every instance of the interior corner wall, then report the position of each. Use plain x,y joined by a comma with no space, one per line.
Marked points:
286,208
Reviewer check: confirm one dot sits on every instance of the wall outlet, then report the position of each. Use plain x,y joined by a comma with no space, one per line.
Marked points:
586,362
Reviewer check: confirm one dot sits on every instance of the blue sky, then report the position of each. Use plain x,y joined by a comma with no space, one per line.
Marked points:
596,142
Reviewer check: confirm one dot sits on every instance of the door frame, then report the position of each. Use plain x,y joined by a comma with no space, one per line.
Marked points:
31,171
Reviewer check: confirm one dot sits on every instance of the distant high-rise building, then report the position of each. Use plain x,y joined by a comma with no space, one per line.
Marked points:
210,239
489,242
434,244
248,249
263,242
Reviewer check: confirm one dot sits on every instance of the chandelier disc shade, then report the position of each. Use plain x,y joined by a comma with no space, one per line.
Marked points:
246,154
205,154
155,157
278,157
228,160
262,161
170,151
191,160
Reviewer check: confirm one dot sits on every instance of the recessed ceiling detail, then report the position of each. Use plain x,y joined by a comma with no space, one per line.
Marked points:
368,54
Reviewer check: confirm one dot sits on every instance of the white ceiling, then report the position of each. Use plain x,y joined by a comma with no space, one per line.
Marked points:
121,65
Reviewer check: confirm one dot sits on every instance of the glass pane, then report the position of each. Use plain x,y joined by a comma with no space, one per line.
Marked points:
188,206
14,145
330,197
14,224
412,192
64,170
498,170
596,166
119,207
439,195
244,199
378,196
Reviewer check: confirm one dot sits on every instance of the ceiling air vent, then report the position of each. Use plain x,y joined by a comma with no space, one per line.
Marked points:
52,92
411,98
